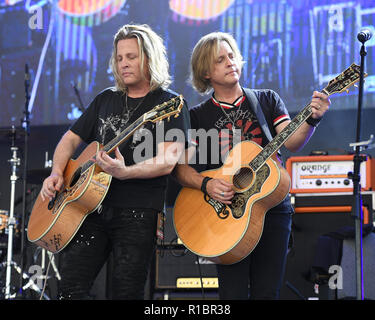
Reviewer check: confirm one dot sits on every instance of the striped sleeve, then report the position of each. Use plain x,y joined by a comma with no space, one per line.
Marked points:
280,112
280,119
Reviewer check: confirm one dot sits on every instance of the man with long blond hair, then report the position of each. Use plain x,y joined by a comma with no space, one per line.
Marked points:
125,223
216,64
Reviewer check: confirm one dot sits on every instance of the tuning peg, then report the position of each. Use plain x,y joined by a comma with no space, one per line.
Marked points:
356,86
169,118
176,115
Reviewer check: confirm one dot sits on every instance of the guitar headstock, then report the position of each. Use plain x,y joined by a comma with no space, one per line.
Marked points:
165,110
344,80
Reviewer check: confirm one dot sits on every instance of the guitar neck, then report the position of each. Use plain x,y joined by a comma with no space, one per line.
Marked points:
115,142
279,140
124,135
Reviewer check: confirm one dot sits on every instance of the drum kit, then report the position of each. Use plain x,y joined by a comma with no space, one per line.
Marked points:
12,231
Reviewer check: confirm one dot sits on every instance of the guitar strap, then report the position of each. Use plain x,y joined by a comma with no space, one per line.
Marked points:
257,110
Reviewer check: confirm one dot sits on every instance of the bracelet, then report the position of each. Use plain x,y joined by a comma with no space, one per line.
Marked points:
204,184
313,122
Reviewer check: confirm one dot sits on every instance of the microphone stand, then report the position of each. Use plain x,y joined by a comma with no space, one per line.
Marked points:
357,212
26,123
80,107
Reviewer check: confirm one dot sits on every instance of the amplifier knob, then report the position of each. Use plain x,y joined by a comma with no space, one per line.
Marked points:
318,182
346,182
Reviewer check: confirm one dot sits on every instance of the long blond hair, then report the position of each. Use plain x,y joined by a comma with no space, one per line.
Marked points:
150,45
204,54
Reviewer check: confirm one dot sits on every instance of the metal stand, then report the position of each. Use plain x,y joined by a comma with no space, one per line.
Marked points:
9,264
43,268
15,161
26,123
357,212
30,284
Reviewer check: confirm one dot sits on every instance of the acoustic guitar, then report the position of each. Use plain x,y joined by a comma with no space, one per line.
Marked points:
53,224
226,234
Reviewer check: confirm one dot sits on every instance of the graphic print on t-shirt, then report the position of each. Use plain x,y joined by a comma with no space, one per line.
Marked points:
244,121
111,127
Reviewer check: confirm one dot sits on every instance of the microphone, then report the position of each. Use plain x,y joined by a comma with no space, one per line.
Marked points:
364,35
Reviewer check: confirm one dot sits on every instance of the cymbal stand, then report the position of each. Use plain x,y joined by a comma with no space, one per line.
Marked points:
30,284
14,161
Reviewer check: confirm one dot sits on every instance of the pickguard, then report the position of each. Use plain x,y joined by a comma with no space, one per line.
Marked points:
240,199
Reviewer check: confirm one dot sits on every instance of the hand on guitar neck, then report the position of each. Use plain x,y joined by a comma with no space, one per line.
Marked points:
113,166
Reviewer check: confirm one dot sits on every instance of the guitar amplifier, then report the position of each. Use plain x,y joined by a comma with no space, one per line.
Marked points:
307,203
177,268
320,174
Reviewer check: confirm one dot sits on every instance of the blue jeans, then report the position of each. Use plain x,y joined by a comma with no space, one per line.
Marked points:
262,271
129,234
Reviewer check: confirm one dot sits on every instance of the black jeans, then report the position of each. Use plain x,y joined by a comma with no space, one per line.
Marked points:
129,234
263,269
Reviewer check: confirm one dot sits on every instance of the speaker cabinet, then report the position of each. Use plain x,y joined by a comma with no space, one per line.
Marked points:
307,230
178,268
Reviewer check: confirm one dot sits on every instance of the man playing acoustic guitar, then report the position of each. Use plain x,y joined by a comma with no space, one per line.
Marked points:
125,224
216,64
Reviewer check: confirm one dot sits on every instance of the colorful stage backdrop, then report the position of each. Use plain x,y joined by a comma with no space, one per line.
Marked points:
291,46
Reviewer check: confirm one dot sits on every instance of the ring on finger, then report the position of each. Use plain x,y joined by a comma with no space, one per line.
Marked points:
222,194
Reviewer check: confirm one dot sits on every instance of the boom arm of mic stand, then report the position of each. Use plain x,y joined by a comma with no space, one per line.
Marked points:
81,107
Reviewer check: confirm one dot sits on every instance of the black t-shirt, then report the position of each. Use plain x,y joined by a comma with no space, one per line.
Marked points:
220,117
106,117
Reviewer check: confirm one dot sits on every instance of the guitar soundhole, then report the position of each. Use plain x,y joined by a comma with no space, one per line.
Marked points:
75,178
243,178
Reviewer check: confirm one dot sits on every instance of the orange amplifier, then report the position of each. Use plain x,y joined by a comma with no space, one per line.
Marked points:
334,203
320,174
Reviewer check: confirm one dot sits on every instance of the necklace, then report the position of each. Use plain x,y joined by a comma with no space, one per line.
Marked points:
127,112
238,103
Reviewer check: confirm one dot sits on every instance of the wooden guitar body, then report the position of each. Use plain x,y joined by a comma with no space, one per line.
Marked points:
53,228
227,234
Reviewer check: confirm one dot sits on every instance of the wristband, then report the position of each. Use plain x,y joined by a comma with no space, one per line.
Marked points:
313,122
204,184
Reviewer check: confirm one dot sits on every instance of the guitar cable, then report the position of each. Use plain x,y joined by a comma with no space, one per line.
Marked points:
45,282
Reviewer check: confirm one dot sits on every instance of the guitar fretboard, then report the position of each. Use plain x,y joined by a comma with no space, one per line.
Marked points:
111,145
343,81
278,141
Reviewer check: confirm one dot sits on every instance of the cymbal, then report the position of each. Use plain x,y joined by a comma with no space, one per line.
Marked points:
37,176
